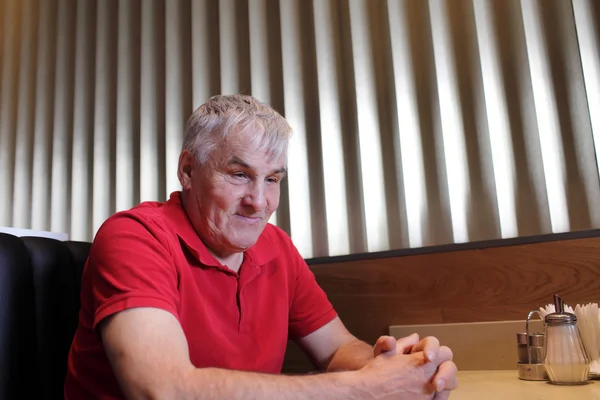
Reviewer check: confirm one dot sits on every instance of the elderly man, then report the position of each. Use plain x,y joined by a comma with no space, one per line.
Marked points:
195,298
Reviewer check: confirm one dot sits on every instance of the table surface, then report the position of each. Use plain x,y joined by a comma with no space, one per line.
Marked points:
503,385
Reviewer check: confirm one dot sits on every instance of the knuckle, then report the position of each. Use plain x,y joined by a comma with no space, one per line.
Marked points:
447,352
432,339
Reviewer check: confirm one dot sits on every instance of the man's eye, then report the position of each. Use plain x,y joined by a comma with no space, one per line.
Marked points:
240,175
272,180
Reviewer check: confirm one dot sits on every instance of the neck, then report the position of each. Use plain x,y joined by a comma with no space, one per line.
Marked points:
232,261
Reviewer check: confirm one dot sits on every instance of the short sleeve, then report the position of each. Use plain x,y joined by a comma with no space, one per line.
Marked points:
310,309
130,266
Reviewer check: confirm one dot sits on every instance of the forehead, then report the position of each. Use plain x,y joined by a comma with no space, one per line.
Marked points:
246,148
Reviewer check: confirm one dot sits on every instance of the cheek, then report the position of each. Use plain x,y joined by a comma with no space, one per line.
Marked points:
273,197
227,199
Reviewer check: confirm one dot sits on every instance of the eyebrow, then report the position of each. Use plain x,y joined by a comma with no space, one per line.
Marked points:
239,162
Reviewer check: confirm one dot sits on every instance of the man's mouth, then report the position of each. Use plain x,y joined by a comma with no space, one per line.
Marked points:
249,218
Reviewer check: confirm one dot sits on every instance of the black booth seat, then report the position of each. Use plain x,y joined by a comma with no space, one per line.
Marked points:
39,304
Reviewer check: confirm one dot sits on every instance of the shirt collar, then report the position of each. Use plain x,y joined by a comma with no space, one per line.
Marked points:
259,254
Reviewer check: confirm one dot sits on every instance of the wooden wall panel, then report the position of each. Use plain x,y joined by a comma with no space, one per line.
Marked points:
476,284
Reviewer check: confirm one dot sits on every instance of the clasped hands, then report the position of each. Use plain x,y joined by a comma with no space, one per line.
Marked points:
438,357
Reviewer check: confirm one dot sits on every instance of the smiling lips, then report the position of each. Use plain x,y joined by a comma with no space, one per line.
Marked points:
251,220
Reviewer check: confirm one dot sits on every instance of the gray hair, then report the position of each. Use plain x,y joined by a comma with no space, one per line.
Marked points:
210,125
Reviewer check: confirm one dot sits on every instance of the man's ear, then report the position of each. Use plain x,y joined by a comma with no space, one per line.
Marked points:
184,169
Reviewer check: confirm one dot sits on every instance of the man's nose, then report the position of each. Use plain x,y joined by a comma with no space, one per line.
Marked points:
255,196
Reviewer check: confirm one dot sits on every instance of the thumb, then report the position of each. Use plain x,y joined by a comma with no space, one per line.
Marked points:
385,344
405,344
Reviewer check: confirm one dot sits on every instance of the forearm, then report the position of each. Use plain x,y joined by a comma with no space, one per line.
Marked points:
351,357
219,384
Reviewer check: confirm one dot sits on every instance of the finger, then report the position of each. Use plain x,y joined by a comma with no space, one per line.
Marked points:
445,377
405,344
443,395
429,346
385,344
444,354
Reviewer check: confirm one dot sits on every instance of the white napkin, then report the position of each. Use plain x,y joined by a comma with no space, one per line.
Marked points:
549,309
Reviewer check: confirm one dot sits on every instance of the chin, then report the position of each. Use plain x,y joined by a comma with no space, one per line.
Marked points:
244,237
245,243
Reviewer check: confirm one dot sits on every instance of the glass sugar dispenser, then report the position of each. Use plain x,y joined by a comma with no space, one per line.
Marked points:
566,360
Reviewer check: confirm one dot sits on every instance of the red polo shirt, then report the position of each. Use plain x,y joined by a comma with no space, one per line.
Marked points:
150,256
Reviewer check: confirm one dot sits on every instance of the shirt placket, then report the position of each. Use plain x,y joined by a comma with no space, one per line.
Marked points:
248,274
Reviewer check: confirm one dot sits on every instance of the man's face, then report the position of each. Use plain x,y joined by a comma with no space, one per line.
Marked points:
231,197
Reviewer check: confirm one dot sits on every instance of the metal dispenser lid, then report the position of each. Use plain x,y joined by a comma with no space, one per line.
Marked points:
560,317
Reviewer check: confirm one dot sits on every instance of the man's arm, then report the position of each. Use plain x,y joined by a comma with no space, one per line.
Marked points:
333,348
149,355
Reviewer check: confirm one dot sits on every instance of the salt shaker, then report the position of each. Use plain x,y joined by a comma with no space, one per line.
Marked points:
566,360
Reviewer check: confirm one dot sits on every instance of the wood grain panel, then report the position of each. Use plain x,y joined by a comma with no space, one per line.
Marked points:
363,315
478,284
489,313
487,277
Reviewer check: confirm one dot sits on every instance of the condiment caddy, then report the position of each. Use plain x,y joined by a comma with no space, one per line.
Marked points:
558,354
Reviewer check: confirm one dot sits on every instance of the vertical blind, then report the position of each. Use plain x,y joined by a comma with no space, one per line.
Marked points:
416,122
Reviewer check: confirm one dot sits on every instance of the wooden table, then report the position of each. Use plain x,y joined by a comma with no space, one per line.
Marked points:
504,385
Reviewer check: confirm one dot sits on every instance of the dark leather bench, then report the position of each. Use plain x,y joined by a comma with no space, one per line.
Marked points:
39,305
